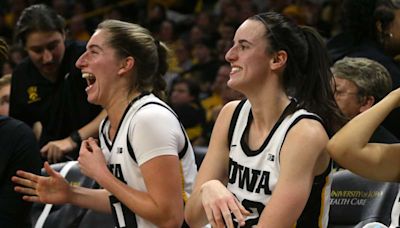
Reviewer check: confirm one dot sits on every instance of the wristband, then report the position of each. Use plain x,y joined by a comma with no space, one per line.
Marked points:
76,137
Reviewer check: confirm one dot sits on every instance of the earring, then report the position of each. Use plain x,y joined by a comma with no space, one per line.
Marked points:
385,37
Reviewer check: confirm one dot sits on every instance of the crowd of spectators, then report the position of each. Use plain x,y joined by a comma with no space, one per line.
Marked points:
198,32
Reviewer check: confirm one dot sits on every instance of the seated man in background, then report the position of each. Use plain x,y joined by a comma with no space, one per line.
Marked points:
47,88
359,84
5,87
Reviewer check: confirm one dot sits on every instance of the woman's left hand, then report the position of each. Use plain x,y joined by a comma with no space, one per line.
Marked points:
220,204
91,159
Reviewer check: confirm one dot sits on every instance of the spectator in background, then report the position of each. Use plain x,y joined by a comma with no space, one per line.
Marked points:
167,34
180,61
230,12
19,150
328,19
227,95
16,55
247,9
359,84
223,47
295,13
4,54
196,35
215,99
205,22
80,11
5,30
156,14
6,68
226,31
370,30
5,88
77,29
5,80
15,9
221,95
376,161
184,100
183,56
47,88
205,65
62,8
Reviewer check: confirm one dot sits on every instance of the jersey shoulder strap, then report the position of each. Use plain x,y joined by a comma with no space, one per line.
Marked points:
234,120
181,153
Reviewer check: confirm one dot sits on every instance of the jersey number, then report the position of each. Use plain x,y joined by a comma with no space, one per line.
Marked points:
123,216
255,208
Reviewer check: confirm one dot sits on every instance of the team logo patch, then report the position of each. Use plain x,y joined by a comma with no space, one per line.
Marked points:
271,157
119,150
33,95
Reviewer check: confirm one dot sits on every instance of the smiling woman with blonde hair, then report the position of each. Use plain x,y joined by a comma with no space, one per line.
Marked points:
144,162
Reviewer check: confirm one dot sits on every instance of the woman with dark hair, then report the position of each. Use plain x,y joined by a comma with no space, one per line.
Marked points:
369,28
387,18
267,164
145,162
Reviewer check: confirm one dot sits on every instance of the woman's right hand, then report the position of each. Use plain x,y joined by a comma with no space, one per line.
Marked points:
219,204
53,189
55,150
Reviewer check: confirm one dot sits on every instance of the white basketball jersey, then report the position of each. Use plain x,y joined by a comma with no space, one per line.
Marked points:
253,175
125,157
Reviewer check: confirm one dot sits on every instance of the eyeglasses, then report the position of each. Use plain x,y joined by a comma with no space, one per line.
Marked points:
341,93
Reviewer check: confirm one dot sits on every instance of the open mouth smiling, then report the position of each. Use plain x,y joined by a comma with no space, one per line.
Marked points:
90,78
